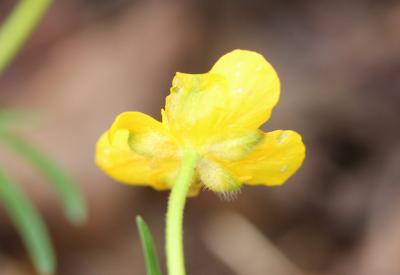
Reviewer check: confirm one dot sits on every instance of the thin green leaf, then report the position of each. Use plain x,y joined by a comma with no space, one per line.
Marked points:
149,253
68,191
29,224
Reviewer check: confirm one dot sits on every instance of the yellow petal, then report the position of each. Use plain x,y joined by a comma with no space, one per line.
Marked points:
147,136
272,161
238,93
196,100
253,87
138,150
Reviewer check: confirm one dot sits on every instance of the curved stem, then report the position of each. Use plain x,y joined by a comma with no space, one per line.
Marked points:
176,205
18,26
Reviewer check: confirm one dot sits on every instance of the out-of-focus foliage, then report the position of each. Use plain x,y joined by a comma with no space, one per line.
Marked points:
29,224
10,118
13,34
22,212
71,198
18,26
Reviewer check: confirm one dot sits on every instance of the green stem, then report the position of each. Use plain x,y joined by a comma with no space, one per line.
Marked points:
18,26
176,205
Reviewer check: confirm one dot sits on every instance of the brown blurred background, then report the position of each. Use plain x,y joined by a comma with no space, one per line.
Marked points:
339,63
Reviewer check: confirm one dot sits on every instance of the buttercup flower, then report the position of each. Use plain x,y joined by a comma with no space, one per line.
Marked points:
218,115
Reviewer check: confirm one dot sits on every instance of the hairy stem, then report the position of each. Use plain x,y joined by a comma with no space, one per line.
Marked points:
176,205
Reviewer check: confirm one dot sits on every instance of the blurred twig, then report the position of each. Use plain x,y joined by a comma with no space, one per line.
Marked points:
244,248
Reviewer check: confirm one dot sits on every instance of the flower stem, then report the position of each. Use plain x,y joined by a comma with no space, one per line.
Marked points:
18,26
176,205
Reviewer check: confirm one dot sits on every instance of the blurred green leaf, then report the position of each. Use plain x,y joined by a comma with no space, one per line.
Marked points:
150,256
69,193
12,117
29,224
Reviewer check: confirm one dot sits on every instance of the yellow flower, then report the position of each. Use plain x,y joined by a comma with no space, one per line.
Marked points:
217,114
